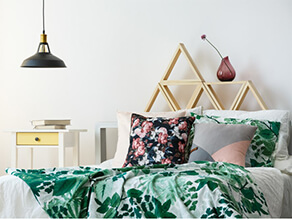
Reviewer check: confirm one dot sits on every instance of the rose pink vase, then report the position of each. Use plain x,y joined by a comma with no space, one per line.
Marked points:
225,71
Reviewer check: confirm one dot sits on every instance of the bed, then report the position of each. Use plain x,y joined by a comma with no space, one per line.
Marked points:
170,182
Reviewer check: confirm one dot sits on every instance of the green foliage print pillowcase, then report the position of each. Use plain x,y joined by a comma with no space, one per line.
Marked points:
263,144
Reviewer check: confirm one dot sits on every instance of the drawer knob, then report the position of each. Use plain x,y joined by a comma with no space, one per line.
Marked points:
37,139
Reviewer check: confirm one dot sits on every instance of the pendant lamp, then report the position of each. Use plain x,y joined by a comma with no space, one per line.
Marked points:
43,57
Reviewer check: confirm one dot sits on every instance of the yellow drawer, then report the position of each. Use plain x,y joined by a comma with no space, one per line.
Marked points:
37,138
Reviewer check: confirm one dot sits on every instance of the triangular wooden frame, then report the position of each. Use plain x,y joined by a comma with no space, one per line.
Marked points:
201,86
248,85
164,83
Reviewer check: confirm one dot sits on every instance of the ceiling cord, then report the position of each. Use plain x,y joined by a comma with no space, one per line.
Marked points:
43,16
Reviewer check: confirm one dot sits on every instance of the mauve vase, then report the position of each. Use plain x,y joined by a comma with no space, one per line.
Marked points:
225,71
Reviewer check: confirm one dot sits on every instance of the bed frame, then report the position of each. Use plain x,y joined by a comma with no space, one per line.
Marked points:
100,139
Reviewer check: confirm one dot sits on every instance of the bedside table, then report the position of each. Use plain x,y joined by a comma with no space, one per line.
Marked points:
57,138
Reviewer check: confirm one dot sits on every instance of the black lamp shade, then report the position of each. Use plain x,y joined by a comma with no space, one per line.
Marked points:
43,58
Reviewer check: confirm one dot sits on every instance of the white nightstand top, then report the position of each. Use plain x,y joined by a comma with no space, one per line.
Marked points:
47,130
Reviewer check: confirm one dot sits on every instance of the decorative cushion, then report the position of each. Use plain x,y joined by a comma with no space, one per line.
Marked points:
263,144
282,116
158,140
124,125
221,142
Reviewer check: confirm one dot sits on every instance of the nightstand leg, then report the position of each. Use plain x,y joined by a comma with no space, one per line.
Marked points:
97,144
76,149
31,158
61,150
14,152
102,144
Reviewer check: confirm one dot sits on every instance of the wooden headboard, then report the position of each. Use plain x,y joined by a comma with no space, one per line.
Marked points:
163,87
200,86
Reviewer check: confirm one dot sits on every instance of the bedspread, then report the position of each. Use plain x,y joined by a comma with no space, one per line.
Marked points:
199,189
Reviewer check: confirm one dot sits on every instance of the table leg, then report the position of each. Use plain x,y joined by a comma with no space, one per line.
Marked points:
61,150
14,152
31,158
76,151
14,156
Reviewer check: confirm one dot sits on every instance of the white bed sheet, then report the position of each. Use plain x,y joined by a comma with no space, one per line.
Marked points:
287,199
17,200
277,189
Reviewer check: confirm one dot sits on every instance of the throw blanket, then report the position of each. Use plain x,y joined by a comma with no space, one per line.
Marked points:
195,190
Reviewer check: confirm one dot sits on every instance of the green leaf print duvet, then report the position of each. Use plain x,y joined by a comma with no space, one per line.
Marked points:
196,190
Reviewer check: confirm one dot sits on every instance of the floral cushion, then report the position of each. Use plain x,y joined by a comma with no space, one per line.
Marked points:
124,126
263,144
158,140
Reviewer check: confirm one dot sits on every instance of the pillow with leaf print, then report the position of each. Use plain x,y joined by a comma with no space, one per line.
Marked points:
263,144
158,140
282,116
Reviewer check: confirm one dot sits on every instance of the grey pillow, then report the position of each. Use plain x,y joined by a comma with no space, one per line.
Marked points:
221,142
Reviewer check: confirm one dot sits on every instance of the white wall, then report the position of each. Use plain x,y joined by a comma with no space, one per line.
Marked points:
117,50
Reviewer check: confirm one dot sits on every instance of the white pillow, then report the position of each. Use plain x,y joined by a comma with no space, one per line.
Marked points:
197,110
124,126
282,116
284,165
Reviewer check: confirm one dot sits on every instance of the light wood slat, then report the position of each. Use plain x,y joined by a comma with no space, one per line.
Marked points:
172,64
213,97
180,82
170,97
152,99
166,97
225,82
241,97
236,99
257,95
191,62
195,97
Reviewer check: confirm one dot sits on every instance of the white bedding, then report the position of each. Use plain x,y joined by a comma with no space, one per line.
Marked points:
277,188
17,200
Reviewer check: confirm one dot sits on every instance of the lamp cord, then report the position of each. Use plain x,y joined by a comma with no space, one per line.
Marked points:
43,16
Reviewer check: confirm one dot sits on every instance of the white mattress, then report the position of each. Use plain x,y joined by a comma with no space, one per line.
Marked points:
17,200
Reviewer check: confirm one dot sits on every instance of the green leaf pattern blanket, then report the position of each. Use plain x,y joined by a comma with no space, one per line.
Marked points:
196,190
